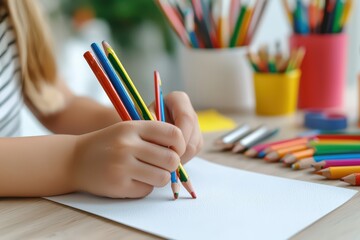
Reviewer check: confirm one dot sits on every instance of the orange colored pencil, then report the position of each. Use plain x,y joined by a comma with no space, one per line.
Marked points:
296,156
276,155
107,86
290,143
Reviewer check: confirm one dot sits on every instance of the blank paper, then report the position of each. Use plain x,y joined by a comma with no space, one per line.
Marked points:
231,204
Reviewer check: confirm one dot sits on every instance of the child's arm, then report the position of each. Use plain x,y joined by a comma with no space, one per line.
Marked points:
80,114
125,160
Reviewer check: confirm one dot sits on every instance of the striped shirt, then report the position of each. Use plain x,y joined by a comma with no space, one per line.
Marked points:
11,97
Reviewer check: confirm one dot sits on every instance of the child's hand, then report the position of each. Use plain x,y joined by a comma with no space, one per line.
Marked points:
180,112
127,159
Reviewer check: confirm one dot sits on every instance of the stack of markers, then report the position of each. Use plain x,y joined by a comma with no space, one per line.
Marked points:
213,23
244,137
128,102
333,156
319,16
264,62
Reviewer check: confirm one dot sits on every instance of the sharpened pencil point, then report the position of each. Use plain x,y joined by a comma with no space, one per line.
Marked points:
295,166
193,194
176,196
341,179
319,173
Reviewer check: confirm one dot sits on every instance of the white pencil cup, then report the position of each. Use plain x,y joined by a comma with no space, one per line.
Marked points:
217,78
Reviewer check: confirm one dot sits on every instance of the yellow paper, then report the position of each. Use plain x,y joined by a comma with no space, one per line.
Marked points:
211,120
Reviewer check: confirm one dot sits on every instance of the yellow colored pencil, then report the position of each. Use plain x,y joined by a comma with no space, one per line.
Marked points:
116,63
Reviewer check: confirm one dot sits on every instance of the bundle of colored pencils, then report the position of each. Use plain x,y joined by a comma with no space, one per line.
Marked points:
264,62
213,23
318,16
127,101
334,156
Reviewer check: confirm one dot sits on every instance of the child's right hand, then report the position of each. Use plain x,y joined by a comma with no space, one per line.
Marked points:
128,159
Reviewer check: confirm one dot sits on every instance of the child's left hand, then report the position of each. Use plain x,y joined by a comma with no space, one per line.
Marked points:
180,112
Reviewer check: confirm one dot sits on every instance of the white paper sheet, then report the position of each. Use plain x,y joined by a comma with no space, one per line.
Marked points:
231,204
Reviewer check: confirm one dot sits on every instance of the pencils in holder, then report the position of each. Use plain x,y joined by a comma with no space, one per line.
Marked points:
264,62
318,17
213,24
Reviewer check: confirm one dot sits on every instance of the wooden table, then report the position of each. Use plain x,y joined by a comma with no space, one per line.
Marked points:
39,218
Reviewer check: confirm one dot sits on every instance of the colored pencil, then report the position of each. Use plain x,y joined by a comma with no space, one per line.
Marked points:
107,86
116,82
174,21
285,144
117,65
338,172
293,157
276,155
181,172
257,149
228,140
353,179
160,115
336,163
308,162
261,133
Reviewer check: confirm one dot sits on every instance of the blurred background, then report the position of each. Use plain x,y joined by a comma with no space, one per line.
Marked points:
144,42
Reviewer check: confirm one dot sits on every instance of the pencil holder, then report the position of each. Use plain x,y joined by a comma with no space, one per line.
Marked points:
323,70
276,93
217,78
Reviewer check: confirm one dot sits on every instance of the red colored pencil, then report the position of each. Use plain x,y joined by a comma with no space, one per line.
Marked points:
107,86
175,22
338,137
353,179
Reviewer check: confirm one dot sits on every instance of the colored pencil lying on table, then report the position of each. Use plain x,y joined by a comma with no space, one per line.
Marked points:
336,163
288,143
260,150
338,172
308,162
296,156
353,179
260,134
107,86
276,155
228,140
160,115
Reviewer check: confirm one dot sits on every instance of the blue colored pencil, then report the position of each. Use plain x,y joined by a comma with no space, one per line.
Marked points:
116,82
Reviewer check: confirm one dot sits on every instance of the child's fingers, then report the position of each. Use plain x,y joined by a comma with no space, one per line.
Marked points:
150,175
163,134
138,189
158,156
194,145
181,113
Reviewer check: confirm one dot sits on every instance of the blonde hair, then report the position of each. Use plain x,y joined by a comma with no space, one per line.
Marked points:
37,60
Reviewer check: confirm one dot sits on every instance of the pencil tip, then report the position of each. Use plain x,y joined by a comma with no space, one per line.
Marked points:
319,173
193,194
176,196
295,166
342,179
